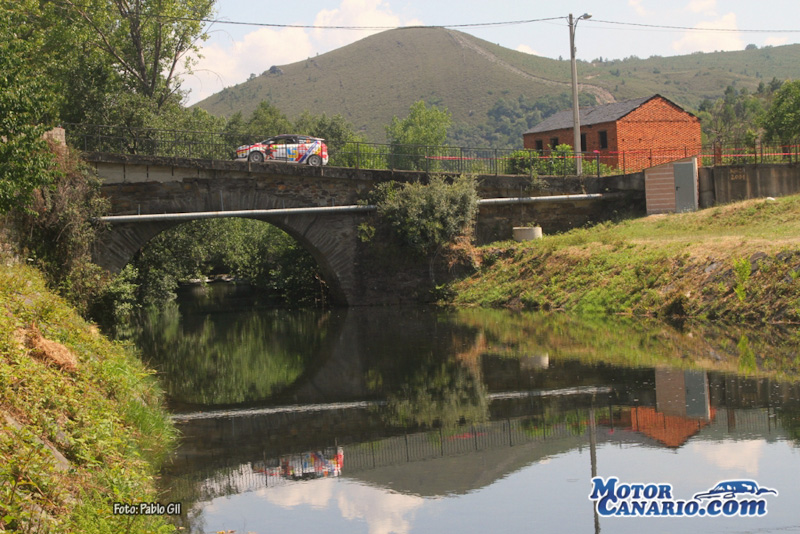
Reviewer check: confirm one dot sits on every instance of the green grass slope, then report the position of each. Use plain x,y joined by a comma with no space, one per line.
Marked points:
739,262
81,423
376,78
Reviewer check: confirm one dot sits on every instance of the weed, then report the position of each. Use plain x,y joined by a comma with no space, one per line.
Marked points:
741,269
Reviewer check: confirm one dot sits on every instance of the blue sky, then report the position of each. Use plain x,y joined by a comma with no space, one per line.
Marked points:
234,51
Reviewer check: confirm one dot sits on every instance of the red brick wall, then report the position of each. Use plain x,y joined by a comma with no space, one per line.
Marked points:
657,132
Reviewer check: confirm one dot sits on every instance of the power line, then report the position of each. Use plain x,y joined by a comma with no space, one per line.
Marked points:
475,25
687,28
326,27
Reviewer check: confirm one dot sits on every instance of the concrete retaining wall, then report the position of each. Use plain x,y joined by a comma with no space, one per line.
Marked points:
725,184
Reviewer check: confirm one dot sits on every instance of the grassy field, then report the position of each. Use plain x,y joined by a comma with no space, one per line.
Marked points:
738,263
81,423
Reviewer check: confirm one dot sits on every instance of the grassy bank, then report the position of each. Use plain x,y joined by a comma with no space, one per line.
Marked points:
81,424
738,262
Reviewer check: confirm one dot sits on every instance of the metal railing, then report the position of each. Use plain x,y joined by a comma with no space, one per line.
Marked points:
445,159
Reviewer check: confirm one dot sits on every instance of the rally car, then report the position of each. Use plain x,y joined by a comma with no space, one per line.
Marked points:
286,147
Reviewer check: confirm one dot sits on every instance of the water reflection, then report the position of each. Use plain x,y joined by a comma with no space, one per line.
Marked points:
440,421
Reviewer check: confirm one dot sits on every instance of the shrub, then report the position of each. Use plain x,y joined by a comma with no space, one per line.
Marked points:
427,217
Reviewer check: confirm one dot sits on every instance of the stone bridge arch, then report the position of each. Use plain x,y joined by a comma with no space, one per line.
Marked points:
331,240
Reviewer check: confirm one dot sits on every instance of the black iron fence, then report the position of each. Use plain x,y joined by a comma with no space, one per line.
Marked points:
446,159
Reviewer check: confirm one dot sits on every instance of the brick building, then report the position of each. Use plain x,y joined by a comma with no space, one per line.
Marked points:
630,135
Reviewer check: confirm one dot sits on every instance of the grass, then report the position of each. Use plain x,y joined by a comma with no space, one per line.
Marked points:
76,435
738,262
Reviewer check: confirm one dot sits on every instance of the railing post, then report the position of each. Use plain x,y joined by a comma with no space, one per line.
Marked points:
598,164
427,159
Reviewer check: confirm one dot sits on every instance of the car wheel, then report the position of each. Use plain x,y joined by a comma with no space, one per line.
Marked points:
256,157
314,160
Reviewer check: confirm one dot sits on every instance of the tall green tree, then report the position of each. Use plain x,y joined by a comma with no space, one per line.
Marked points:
147,41
422,126
412,137
782,121
26,162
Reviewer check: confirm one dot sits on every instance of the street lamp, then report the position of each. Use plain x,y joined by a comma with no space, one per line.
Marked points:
576,120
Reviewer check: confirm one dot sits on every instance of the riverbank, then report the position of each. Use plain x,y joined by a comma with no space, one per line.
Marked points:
81,421
738,263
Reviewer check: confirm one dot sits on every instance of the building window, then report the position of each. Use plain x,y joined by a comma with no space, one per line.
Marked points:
553,142
539,145
603,135
583,142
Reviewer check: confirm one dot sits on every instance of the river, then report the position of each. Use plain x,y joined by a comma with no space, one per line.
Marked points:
413,420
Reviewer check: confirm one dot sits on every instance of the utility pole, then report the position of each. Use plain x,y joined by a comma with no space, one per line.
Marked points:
576,119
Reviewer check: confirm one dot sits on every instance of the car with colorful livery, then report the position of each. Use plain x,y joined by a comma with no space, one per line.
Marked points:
286,147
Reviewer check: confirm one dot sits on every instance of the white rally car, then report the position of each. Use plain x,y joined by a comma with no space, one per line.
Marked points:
286,147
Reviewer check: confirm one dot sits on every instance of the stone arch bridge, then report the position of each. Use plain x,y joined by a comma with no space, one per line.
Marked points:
146,185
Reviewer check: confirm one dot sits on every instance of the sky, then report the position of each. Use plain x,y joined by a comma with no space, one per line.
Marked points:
252,36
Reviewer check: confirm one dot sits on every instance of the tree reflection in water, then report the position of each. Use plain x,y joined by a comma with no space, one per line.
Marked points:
208,358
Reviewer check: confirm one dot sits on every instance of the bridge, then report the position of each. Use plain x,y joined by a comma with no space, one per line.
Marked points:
318,206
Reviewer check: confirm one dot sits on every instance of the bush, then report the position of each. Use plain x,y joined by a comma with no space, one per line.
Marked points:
57,234
427,217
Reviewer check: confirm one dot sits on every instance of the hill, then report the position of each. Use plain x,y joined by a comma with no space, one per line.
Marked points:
370,81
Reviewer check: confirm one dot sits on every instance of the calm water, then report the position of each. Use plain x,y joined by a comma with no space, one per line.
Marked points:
422,421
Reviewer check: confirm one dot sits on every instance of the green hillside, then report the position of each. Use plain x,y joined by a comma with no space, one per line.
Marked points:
376,78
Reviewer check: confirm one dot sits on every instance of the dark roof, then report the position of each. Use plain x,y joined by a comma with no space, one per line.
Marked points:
592,115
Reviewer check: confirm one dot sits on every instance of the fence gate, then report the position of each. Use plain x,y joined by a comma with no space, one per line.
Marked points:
672,187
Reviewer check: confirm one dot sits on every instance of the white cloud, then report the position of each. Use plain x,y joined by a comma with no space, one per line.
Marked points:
637,6
385,512
315,493
733,457
709,41
527,50
359,13
226,64
702,6
229,63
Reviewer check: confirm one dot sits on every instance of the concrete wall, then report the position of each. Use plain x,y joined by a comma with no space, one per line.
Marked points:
725,184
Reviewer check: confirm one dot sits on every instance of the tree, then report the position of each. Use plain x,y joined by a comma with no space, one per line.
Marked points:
422,126
782,121
427,217
146,41
410,137
26,162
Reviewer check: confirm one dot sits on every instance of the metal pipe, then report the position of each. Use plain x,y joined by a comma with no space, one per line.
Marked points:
158,217
155,217
554,198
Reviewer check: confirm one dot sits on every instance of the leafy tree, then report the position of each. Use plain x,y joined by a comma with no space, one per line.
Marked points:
782,121
336,130
26,161
56,231
410,137
427,217
146,41
734,118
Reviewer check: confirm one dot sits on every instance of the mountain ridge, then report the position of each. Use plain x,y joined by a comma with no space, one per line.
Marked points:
376,78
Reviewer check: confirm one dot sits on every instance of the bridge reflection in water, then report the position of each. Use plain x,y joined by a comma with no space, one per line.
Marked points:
457,460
